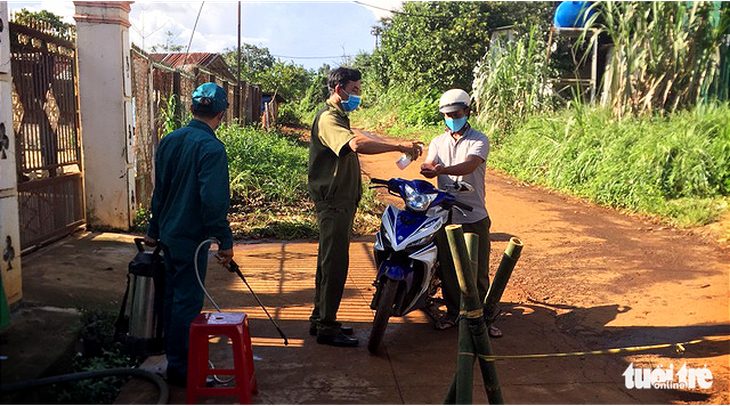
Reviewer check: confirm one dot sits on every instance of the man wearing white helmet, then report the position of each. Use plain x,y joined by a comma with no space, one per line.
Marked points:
460,154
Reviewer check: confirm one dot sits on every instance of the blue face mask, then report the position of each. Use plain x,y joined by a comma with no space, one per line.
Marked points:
455,124
351,103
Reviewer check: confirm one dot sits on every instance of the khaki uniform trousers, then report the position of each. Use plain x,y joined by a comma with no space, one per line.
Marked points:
333,257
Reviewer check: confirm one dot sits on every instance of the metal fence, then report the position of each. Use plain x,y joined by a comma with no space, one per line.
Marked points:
162,95
46,124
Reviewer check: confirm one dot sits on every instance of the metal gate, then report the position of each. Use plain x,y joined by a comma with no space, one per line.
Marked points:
46,121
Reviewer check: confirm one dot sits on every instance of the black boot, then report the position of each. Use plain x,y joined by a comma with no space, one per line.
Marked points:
346,330
337,340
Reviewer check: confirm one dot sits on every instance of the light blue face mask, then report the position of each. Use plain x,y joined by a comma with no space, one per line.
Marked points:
351,103
455,124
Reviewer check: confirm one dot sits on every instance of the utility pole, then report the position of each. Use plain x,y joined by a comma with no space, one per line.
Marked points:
237,104
376,31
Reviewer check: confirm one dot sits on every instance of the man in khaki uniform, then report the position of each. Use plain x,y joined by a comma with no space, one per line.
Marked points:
335,187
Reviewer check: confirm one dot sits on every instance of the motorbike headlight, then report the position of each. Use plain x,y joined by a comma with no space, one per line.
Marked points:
418,201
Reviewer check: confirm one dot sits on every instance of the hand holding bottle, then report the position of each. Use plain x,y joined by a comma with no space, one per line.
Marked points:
411,152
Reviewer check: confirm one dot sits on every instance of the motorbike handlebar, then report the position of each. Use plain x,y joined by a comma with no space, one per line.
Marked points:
379,181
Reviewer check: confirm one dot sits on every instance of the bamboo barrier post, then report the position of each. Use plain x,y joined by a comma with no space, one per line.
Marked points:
462,265
462,386
476,342
504,272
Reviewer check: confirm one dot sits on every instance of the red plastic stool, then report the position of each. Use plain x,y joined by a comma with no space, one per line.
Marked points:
235,326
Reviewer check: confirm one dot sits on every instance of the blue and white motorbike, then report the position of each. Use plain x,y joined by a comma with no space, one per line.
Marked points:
405,251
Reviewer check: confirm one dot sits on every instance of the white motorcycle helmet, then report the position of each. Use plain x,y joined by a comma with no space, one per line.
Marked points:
453,100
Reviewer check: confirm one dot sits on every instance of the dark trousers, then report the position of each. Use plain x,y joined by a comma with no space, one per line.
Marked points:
449,281
183,300
333,257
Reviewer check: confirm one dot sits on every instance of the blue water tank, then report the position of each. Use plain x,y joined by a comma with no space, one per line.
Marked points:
572,14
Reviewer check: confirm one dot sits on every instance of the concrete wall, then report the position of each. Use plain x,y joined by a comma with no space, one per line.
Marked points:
9,232
107,123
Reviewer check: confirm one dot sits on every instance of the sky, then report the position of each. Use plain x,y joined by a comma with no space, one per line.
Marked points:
322,31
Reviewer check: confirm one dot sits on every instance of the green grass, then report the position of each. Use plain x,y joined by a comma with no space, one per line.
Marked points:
401,113
269,197
268,171
677,166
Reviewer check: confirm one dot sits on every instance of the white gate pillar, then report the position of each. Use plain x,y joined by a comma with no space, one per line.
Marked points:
107,121
9,231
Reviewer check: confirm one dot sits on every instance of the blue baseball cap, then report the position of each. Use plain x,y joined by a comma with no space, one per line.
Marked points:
210,97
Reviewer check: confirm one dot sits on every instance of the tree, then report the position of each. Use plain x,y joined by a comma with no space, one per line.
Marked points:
286,79
254,62
169,45
437,44
258,66
317,91
30,18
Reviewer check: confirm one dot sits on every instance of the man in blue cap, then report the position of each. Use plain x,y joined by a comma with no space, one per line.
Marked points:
189,205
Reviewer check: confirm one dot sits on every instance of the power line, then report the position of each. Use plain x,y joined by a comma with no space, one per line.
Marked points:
187,51
474,17
312,57
405,14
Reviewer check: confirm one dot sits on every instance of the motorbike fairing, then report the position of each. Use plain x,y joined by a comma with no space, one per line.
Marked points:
402,228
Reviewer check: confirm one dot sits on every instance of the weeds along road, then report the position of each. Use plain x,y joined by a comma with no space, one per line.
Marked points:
593,277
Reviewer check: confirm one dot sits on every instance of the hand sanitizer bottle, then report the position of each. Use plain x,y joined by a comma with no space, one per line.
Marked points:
403,161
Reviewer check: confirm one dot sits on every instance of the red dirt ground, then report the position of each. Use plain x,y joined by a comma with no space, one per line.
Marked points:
607,279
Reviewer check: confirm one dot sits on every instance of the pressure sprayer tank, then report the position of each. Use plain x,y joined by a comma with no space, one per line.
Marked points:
146,292
572,14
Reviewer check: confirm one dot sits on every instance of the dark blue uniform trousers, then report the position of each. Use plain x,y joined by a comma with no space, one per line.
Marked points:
183,300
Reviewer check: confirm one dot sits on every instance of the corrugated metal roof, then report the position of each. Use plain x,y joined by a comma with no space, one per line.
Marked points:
176,60
208,60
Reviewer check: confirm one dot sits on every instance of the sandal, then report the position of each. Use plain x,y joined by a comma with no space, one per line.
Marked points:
445,322
494,331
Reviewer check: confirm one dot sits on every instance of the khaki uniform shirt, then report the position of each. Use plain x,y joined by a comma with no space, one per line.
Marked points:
447,151
334,169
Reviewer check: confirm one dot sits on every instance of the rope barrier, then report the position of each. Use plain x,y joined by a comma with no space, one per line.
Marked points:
679,348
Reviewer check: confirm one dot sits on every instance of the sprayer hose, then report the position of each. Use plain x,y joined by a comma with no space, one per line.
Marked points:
152,377
197,271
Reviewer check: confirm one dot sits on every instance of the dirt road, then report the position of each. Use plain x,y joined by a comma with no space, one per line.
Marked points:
592,278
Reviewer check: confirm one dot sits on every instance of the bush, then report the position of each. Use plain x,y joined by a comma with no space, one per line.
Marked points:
421,111
288,114
100,351
401,112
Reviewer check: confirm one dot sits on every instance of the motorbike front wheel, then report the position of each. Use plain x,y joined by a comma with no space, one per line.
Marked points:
383,310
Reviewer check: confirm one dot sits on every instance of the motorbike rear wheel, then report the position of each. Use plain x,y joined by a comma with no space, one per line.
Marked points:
383,310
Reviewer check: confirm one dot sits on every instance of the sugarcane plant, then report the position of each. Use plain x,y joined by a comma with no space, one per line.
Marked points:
666,55
510,83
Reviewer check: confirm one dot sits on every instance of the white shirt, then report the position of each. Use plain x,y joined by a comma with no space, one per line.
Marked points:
447,151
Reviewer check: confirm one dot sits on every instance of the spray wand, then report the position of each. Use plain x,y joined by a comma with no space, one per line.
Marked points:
233,267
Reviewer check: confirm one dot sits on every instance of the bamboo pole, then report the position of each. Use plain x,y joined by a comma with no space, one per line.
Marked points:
496,289
465,360
465,364
473,338
462,265
461,389
477,329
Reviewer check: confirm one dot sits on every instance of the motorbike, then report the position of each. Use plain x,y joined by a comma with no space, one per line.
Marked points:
405,251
